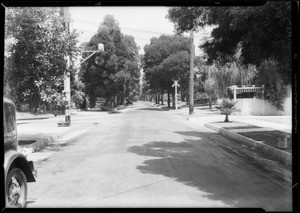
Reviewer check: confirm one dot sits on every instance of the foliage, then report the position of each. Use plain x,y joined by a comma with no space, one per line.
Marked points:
175,67
225,76
166,58
115,71
77,92
226,107
35,61
209,85
261,32
187,18
274,87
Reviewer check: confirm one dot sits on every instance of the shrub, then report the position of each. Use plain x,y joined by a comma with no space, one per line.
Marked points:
226,107
275,89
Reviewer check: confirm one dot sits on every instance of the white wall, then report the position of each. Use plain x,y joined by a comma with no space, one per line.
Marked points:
256,106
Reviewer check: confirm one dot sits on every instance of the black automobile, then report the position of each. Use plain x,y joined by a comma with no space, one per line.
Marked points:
18,170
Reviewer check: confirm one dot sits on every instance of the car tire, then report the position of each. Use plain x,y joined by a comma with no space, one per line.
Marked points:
15,189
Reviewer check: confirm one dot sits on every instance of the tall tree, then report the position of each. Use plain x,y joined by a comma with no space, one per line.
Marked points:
175,67
113,72
262,32
262,35
35,67
187,18
165,59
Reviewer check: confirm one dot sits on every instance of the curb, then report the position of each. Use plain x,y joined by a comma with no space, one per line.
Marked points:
46,141
33,118
282,156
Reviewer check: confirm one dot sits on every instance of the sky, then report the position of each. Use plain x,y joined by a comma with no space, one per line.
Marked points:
142,23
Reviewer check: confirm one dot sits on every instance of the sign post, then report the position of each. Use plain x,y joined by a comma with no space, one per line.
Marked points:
175,85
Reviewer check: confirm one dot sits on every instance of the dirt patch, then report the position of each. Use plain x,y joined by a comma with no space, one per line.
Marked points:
270,138
242,127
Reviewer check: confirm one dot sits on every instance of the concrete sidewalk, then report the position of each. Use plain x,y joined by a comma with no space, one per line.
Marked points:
213,120
231,130
35,135
35,132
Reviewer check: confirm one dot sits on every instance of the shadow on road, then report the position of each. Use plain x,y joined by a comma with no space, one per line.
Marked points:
200,164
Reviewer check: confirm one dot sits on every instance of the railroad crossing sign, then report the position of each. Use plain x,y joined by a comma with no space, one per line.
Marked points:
175,85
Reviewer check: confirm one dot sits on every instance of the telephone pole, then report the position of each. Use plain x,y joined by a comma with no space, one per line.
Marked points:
192,52
67,84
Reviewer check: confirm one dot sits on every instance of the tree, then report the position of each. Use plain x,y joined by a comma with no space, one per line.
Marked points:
165,59
77,92
260,33
187,18
175,67
209,85
112,74
226,107
36,62
263,32
274,87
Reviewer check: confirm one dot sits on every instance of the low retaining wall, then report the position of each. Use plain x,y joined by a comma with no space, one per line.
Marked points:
279,155
257,106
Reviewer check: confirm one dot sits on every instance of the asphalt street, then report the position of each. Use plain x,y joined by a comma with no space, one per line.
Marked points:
148,157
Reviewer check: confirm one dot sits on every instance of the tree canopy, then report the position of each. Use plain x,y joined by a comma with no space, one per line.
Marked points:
166,58
260,32
35,60
114,71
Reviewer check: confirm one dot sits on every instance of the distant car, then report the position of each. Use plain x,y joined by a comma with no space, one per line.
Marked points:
18,170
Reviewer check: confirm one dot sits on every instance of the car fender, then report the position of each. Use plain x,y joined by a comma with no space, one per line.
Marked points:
17,159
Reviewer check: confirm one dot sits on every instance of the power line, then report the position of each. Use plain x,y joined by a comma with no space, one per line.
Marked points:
147,31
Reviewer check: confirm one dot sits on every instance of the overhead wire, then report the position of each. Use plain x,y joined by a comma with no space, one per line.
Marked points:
147,31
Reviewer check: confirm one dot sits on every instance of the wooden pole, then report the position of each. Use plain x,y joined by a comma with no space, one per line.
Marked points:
67,81
191,107
175,85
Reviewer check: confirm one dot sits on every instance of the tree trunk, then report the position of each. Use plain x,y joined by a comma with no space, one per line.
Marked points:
169,99
162,99
182,96
173,100
106,101
226,118
158,98
209,102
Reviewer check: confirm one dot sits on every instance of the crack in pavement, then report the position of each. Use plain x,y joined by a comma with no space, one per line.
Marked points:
134,189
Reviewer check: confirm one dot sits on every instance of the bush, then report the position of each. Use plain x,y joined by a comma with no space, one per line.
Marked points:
226,107
275,89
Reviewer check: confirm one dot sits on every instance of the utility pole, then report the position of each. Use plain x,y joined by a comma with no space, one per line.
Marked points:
67,83
192,50
175,85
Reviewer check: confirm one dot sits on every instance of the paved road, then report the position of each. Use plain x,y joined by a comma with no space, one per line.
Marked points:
146,157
